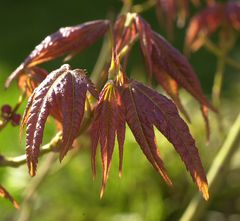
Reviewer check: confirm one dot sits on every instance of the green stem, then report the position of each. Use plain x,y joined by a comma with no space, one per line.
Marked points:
216,173
26,208
20,160
213,48
218,79
139,8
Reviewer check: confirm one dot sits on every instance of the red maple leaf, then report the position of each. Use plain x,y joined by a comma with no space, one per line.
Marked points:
71,40
62,93
207,21
109,121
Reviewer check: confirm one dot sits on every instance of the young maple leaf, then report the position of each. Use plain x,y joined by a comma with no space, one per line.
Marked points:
71,40
171,87
109,121
207,21
32,77
61,93
5,194
123,32
146,108
167,63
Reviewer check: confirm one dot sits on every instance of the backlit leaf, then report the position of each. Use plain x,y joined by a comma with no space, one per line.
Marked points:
109,121
145,109
177,66
67,40
63,92
171,87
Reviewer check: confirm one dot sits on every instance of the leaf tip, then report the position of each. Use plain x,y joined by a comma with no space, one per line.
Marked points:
32,169
204,190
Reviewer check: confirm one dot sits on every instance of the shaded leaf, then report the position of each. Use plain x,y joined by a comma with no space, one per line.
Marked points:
5,194
232,11
203,24
67,40
63,92
145,109
170,10
109,121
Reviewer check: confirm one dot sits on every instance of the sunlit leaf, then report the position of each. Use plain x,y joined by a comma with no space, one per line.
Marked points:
147,108
67,40
109,121
64,92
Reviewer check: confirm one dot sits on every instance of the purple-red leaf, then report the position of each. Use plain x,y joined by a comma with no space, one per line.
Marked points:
169,59
31,79
5,194
63,92
171,87
109,121
123,35
206,22
145,109
145,35
203,24
67,40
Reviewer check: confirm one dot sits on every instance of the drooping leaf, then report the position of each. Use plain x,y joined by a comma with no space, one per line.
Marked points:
145,36
5,194
169,59
109,121
145,109
171,87
63,92
67,40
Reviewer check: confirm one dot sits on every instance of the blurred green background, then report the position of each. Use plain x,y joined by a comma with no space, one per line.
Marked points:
69,192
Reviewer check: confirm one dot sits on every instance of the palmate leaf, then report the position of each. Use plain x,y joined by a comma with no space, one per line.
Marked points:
71,40
62,93
167,63
169,59
146,108
5,194
109,121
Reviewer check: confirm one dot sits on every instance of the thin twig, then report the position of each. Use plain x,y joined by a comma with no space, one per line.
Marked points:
139,8
20,160
210,46
27,205
218,79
